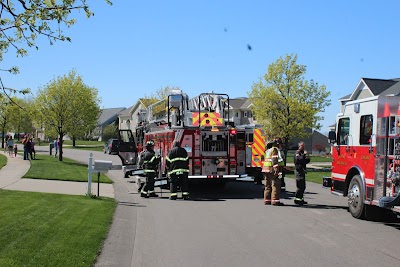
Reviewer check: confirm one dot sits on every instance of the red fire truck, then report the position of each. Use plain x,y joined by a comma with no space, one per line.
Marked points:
366,154
216,150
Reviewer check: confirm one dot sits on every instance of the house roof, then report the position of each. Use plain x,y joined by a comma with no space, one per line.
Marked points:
378,86
108,115
237,103
126,112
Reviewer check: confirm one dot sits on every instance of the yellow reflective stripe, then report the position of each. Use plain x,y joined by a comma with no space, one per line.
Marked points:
167,159
176,159
178,170
152,159
185,193
149,171
174,194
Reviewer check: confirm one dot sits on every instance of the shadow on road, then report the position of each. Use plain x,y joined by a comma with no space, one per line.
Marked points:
132,204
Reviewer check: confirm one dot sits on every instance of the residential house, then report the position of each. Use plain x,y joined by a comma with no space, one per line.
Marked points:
108,116
239,111
129,118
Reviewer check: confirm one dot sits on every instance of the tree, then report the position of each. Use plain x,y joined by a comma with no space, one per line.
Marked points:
110,132
21,22
67,106
5,111
21,116
286,103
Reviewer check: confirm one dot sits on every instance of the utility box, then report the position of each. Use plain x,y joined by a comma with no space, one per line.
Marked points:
102,166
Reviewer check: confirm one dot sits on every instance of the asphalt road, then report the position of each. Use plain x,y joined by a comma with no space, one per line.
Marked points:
234,228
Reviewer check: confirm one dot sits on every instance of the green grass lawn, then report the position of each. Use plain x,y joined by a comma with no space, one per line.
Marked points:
39,229
47,167
312,176
313,157
3,161
91,148
85,145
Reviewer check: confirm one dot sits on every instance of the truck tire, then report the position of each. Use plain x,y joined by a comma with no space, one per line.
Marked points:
356,197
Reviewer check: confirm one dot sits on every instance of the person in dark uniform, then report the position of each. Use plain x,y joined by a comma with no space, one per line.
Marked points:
177,162
150,162
301,159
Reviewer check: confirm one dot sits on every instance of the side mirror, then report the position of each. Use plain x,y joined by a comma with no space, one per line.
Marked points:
332,137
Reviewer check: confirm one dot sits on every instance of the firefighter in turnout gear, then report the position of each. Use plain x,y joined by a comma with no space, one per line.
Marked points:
301,158
272,169
150,166
177,163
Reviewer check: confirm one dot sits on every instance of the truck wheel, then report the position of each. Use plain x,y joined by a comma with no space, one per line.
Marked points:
356,197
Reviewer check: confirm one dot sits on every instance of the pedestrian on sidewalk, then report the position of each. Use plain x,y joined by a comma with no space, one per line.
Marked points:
301,159
10,145
15,150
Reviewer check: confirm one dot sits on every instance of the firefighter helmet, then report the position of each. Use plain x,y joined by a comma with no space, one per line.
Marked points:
150,143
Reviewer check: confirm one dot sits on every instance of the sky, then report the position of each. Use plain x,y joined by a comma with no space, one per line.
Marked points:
133,48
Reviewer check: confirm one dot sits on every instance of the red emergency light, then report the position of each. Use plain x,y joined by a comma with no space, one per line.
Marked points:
233,131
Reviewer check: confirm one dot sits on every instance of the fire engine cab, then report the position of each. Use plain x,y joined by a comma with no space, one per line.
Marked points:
366,148
216,150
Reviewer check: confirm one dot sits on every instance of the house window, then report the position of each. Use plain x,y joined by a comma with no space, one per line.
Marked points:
236,114
245,114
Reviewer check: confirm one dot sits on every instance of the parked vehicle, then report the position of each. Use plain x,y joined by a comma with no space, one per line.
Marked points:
366,150
111,146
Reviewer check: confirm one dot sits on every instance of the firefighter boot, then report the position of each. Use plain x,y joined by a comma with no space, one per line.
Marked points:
185,196
173,196
152,194
144,194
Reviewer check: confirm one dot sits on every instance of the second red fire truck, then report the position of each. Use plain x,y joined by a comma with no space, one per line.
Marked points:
366,150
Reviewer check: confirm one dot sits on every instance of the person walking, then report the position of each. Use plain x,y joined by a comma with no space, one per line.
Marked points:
177,163
33,149
301,158
15,150
10,145
55,147
29,148
150,162
24,141
272,170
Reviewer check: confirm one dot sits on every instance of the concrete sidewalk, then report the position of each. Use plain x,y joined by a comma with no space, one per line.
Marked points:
11,174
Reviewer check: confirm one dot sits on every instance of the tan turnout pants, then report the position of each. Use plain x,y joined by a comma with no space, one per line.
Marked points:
272,188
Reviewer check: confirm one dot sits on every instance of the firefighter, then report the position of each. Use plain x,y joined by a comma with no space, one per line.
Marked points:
272,174
177,163
150,162
301,158
281,158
